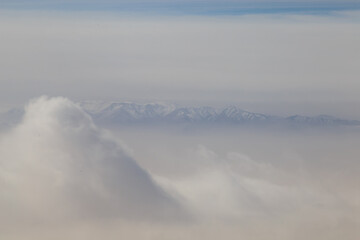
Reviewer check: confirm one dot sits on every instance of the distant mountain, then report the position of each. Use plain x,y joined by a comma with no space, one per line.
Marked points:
127,112
123,113
133,113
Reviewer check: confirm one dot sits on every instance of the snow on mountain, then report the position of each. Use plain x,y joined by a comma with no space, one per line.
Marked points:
135,113
123,112
193,114
130,112
235,114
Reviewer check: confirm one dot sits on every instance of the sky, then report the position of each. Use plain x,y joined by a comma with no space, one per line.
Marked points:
202,7
64,177
282,57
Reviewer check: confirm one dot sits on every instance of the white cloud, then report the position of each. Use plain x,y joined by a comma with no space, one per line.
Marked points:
57,166
237,187
63,177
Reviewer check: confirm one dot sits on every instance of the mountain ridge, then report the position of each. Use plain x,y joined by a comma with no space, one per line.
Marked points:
122,113
131,112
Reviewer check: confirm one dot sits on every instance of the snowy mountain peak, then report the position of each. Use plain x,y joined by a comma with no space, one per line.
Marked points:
148,113
130,112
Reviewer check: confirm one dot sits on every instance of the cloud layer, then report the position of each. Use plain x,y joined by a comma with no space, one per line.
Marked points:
61,177
56,165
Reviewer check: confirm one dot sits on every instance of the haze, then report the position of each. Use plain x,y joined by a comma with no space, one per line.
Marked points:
65,176
279,64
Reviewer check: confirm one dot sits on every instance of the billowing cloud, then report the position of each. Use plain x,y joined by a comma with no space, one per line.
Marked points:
56,165
237,187
62,177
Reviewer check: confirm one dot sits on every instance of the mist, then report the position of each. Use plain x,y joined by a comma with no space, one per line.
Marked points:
64,177
56,166
273,166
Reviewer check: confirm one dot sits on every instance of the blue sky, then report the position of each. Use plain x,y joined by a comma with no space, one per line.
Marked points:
188,7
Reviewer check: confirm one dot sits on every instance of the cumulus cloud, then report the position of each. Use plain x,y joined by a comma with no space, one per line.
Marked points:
57,165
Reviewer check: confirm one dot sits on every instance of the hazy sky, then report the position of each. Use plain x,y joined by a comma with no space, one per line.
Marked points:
287,61
62,177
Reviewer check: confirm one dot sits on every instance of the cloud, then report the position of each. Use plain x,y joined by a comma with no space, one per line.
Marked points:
61,177
238,187
56,166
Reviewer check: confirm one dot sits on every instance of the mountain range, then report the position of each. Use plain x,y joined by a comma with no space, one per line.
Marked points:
124,113
134,113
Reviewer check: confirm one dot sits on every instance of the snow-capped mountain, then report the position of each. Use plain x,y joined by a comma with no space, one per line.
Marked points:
235,114
130,112
127,112
117,113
